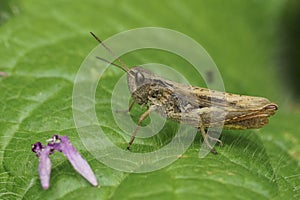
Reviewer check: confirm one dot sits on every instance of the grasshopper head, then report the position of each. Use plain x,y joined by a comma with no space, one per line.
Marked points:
138,78
139,83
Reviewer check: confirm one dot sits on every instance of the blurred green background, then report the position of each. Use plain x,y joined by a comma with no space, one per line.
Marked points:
255,45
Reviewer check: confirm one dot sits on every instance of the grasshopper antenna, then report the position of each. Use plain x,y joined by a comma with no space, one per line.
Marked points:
122,64
103,59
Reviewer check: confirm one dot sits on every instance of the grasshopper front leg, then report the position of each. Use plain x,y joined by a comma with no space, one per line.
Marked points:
142,117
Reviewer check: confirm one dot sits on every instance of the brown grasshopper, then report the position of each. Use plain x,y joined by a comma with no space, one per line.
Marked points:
199,107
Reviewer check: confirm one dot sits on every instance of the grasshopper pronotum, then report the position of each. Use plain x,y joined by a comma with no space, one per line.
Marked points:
191,104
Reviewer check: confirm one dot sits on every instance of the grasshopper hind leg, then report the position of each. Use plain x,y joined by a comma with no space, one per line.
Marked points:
214,139
206,138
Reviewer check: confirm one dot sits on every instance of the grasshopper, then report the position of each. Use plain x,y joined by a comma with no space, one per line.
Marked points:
196,106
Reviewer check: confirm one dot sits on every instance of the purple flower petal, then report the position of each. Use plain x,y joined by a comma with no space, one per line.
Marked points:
37,148
45,167
79,164
61,144
55,143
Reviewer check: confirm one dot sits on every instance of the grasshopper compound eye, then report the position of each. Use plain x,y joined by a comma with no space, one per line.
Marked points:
139,77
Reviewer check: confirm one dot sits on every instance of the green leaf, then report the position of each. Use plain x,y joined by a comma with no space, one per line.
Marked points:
8,9
43,47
